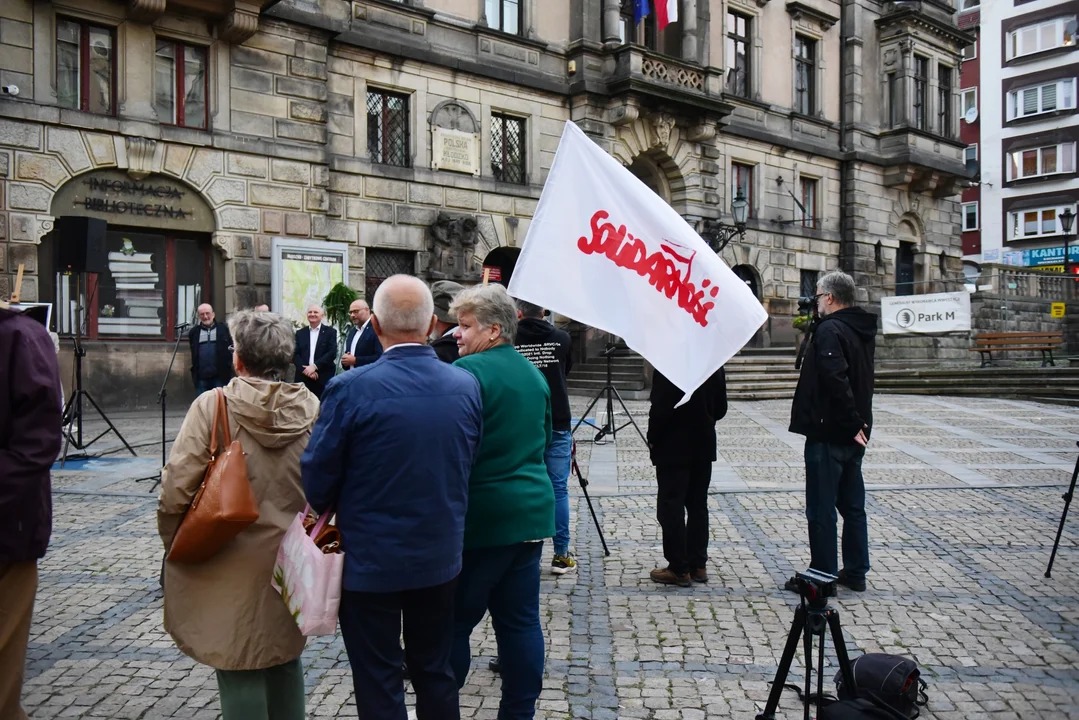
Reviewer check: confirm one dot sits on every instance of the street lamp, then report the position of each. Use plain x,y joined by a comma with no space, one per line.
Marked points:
717,234
1066,219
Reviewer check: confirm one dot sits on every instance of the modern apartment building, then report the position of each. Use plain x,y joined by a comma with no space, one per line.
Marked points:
1029,131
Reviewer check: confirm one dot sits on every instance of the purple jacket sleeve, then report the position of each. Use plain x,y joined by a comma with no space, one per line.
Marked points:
35,405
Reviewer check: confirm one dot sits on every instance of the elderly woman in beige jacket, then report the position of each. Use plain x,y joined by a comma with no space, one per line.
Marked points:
224,612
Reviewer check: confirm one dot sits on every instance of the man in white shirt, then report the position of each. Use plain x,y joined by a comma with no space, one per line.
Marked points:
316,351
361,344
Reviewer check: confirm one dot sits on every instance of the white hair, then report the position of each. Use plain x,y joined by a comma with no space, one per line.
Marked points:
403,313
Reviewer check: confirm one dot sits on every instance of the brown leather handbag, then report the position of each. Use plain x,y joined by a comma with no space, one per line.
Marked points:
224,505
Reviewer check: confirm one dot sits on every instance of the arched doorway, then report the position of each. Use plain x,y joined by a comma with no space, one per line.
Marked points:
505,260
748,275
647,172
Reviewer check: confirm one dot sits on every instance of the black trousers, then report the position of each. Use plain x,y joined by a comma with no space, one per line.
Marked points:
315,386
682,511
371,627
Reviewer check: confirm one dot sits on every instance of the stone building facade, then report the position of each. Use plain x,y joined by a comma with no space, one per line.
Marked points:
418,134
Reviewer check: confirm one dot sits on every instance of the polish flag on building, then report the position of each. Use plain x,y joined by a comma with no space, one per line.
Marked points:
666,13
606,251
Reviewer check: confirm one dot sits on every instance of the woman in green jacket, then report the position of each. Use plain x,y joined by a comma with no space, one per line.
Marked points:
510,500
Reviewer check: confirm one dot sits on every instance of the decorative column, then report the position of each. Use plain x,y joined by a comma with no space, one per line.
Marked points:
611,21
688,18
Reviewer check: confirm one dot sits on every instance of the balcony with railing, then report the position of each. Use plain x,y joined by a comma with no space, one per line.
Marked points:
661,78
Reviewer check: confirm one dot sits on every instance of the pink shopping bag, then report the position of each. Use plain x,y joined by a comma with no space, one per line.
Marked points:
308,577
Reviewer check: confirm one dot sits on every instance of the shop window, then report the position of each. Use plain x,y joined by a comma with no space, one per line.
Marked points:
180,84
508,149
85,67
387,128
152,284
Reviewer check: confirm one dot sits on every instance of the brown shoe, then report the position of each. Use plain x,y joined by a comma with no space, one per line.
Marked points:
699,575
664,576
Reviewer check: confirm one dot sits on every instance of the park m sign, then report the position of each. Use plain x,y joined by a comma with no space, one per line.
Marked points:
919,314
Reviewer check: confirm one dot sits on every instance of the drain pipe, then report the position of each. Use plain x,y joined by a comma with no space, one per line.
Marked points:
846,246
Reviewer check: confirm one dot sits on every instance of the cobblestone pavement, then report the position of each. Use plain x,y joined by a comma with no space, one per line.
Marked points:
964,499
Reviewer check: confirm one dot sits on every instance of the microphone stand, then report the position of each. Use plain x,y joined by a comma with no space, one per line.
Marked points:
162,396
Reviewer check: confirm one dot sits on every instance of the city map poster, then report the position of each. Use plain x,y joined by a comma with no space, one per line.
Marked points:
303,273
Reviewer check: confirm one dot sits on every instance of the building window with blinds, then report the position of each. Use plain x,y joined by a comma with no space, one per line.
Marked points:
1038,99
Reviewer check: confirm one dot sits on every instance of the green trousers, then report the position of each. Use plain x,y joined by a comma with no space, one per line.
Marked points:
274,693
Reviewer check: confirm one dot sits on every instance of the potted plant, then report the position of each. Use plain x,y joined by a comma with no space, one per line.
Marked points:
335,305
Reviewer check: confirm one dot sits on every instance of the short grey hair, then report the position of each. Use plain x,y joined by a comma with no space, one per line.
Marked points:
404,318
264,342
839,285
491,305
529,310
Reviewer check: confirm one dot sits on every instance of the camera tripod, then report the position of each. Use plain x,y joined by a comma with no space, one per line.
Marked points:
1063,516
584,489
73,409
810,619
610,392
162,396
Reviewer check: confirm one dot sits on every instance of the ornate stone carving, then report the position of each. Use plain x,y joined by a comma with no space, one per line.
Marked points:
145,11
624,115
688,78
453,115
703,132
140,156
890,58
451,241
240,24
662,125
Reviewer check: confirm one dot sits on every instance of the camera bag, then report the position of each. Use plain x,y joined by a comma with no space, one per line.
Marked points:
885,683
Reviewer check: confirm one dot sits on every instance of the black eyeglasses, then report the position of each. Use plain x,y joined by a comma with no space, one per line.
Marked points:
232,348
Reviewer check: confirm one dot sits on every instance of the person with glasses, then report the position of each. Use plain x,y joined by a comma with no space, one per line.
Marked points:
833,409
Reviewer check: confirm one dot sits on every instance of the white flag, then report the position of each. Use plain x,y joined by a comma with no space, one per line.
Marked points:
606,251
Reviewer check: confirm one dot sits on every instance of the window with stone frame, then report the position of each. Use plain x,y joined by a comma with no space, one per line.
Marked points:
895,107
808,187
505,15
667,41
805,75
181,84
85,66
380,264
508,149
739,46
388,128
920,99
945,114
742,180
807,285
904,269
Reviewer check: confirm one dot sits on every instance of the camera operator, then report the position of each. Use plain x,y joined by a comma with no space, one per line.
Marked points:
833,408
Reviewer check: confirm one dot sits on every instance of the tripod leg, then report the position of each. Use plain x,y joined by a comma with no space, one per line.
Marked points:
769,712
841,650
807,643
595,520
581,420
1060,529
109,422
630,416
820,672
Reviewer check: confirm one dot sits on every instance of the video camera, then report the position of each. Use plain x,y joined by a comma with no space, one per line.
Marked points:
816,586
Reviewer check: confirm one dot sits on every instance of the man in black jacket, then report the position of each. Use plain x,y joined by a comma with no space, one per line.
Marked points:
442,339
316,352
833,408
548,348
211,356
682,445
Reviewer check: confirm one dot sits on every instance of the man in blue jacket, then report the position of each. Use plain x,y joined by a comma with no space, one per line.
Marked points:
361,344
392,452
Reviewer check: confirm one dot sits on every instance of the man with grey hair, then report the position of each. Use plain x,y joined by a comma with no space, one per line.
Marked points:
316,351
833,408
211,359
392,452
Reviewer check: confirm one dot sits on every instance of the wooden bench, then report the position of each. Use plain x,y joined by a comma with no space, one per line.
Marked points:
1044,342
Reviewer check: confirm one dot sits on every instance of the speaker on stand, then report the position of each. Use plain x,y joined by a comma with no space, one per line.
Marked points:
79,244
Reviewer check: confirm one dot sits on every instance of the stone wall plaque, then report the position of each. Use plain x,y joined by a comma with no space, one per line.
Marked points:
455,151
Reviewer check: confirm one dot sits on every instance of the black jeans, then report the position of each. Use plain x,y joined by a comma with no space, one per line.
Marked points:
371,628
682,512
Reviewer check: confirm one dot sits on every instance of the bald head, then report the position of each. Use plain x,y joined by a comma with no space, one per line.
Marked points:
314,315
206,314
359,312
404,311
